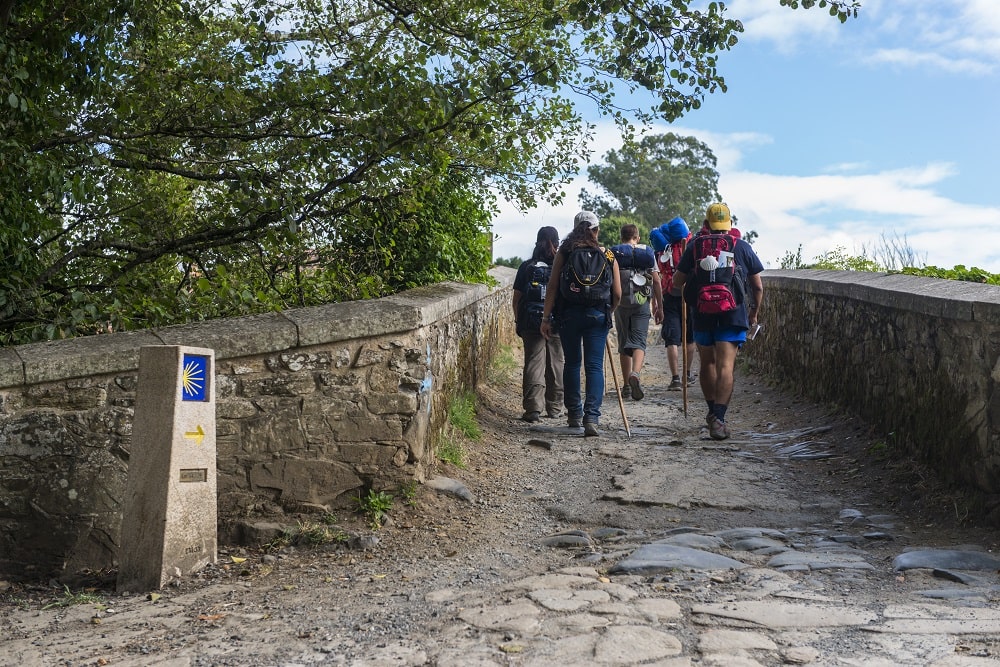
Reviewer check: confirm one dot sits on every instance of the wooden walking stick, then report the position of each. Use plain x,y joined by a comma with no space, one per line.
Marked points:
618,389
685,373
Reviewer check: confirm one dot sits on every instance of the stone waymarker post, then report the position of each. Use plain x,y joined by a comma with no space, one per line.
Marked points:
170,506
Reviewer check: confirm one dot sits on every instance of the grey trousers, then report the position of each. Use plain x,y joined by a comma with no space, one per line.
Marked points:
542,383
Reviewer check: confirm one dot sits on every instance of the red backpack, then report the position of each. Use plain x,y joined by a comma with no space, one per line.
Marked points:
715,286
668,266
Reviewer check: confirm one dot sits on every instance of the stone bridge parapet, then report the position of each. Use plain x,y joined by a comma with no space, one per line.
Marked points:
313,406
918,358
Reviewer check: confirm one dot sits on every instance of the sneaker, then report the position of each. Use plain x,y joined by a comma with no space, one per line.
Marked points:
675,384
718,429
633,382
626,392
590,429
709,418
574,422
531,416
691,380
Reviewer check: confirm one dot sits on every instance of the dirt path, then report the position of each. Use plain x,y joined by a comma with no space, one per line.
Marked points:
540,566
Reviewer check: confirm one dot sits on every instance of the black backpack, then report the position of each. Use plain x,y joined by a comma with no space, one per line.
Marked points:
532,304
586,277
717,290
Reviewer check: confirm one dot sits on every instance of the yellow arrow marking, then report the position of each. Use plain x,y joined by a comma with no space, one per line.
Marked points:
197,436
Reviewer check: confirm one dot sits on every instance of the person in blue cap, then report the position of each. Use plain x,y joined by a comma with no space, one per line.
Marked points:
668,241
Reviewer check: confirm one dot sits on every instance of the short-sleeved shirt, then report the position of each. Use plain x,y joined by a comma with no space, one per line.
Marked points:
747,260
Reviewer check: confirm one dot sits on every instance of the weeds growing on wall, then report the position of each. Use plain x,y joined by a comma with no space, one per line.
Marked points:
889,256
451,450
462,415
375,506
503,365
461,426
409,493
310,533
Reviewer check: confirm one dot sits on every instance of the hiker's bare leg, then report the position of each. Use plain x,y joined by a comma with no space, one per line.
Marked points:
626,363
725,366
672,358
707,379
638,357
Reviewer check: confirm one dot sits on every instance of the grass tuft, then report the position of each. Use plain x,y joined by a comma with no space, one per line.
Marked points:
69,599
375,506
450,450
462,415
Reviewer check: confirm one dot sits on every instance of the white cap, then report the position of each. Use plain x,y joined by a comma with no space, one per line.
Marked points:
587,217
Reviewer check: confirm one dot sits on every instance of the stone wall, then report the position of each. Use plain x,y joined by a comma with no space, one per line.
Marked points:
919,358
313,406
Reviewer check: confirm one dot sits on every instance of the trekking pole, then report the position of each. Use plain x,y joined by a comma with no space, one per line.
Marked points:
686,373
618,390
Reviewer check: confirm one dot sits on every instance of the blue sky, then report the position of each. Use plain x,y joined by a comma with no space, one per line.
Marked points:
880,130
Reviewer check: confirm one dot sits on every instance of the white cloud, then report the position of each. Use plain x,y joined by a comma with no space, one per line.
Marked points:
516,230
787,28
860,212
845,206
845,167
936,61
956,36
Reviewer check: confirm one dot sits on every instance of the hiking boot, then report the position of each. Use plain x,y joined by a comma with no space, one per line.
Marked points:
675,384
590,429
633,382
553,413
718,429
574,422
626,392
531,416
709,418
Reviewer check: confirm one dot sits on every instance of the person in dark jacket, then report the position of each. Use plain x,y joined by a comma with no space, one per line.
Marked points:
541,380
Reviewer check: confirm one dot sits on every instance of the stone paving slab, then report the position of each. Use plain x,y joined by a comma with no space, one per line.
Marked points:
922,626
714,482
659,557
776,614
820,560
949,559
936,611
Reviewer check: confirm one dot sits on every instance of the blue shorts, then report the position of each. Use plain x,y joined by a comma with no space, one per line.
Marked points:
710,337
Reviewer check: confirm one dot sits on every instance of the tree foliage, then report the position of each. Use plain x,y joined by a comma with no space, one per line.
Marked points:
170,160
610,232
656,179
513,261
